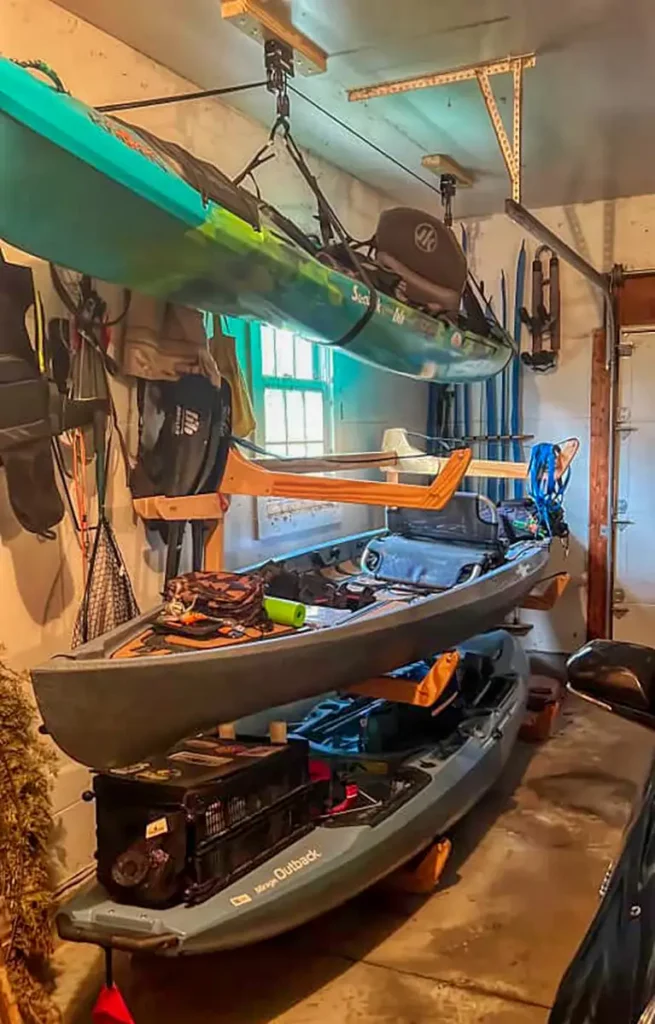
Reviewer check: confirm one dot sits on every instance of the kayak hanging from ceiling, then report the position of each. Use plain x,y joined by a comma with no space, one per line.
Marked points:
111,200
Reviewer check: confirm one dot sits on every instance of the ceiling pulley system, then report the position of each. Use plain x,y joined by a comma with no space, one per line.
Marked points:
269,19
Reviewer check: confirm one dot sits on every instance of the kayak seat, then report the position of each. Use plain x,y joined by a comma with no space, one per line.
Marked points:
466,519
425,255
437,548
609,670
434,564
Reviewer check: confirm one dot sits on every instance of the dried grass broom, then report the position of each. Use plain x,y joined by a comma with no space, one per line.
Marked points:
26,771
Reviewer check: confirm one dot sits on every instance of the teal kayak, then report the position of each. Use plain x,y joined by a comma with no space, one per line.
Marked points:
420,795
94,194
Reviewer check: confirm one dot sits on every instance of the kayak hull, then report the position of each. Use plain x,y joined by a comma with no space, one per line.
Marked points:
100,711
328,866
86,193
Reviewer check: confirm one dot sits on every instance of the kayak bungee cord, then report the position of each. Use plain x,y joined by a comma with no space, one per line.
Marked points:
45,69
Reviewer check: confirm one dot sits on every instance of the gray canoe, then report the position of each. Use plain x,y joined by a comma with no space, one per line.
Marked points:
110,713
329,865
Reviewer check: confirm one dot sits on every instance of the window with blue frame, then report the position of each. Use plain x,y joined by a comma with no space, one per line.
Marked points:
291,384
291,381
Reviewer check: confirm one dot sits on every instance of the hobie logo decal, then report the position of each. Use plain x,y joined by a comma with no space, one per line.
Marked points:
425,237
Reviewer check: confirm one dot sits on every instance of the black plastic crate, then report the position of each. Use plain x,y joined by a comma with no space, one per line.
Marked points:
153,819
226,859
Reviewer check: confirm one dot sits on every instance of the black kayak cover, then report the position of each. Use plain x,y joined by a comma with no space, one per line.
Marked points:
611,979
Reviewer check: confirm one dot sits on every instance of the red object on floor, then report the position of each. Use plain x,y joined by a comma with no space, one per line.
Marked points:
544,703
111,1009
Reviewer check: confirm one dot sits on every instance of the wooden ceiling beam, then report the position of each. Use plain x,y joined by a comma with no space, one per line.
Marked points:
262,19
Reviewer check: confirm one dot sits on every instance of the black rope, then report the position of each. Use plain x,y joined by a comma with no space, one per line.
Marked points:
362,138
61,469
109,967
157,101
328,216
448,445
469,439
262,156
160,101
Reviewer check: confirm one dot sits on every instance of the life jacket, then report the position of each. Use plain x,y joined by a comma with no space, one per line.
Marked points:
33,408
188,455
26,407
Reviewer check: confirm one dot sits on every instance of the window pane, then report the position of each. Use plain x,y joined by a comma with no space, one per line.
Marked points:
315,427
284,349
277,449
268,350
295,416
316,448
297,451
304,359
274,416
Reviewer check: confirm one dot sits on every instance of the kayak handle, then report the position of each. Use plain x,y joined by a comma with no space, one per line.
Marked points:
115,940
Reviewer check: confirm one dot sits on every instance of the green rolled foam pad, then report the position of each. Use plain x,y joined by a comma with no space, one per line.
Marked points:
285,613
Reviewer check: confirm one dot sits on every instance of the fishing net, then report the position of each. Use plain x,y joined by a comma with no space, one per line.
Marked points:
108,599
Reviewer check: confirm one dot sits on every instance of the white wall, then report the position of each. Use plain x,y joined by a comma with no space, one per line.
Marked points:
41,581
556,405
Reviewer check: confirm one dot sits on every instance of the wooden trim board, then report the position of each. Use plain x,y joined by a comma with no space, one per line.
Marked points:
636,301
599,490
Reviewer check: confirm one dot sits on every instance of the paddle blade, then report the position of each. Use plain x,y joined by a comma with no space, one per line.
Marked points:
110,1008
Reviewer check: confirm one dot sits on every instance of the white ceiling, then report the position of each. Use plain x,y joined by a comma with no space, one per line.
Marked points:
589,111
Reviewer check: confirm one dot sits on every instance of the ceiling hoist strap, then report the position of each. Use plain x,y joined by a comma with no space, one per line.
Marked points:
279,67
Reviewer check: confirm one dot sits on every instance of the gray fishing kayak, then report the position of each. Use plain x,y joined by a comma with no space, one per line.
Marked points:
97,701
335,860
100,707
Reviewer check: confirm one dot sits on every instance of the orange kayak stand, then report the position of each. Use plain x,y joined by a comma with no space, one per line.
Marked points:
242,476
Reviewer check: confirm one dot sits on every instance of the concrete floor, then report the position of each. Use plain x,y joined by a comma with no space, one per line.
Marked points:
489,946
